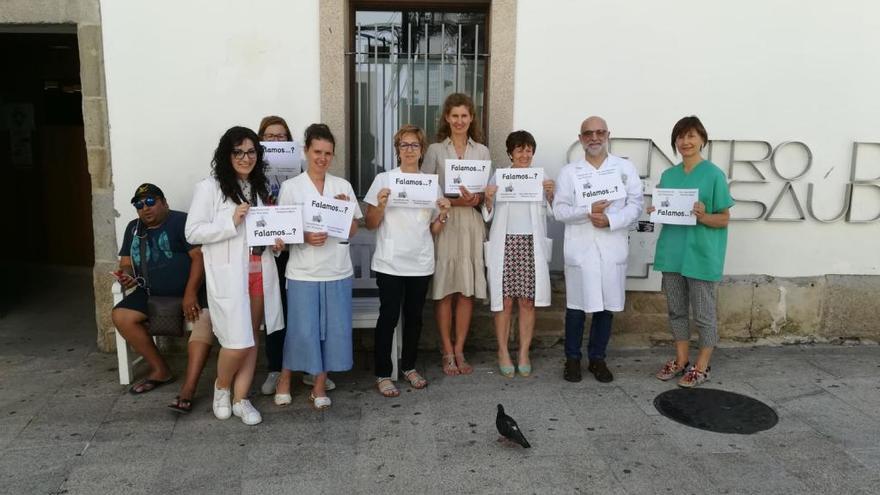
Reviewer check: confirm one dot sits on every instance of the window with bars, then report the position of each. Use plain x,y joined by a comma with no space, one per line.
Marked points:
404,64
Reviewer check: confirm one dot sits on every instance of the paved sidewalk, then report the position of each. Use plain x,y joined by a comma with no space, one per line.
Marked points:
66,426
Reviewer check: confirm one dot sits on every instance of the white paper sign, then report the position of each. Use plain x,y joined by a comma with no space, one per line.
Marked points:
674,206
285,161
329,215
519,184
472,174
266,223
413,190
598,185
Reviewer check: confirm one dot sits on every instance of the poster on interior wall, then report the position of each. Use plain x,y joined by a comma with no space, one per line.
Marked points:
267,223
284,160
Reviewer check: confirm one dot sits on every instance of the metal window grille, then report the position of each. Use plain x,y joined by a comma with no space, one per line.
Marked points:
404,65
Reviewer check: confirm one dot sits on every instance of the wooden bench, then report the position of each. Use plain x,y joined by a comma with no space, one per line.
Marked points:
364,306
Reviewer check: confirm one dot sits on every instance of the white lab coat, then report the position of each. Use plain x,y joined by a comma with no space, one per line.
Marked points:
595,259
225,250
493,250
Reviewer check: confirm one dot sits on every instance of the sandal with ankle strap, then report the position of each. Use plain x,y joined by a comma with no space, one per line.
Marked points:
449,366
415,380
464,367
387,388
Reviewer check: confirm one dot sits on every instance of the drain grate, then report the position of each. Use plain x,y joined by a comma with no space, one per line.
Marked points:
716,410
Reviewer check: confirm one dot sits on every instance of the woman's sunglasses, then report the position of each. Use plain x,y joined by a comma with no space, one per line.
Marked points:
148,201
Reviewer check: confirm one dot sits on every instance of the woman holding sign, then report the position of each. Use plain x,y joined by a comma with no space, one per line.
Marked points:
459,270
517,256
319,275
242,281
404,257
691,257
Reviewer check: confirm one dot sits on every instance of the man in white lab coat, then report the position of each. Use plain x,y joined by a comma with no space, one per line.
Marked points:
597,198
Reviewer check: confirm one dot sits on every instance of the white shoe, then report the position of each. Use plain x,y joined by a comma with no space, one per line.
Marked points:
283,399
268,387
310,381
247,412
222,407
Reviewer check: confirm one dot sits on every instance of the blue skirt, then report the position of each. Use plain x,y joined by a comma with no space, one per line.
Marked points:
318,326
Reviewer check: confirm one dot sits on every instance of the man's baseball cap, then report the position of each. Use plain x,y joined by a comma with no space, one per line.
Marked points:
147,189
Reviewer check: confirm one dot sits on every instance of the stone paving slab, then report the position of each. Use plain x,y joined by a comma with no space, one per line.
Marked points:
67,426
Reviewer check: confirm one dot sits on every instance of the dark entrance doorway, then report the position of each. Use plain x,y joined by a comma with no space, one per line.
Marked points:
47,189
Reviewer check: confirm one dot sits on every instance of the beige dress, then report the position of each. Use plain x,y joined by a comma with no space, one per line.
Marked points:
458,249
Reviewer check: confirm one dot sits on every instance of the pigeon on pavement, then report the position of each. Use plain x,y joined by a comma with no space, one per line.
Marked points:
508,428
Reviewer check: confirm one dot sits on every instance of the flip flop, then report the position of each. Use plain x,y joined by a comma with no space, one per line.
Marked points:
148,385
183,406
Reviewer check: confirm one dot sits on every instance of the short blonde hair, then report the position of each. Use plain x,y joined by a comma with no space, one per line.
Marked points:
418,133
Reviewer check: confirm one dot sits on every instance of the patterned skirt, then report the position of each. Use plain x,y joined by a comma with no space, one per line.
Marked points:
518,279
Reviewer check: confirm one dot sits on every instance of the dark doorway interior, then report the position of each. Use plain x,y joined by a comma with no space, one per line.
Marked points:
47,189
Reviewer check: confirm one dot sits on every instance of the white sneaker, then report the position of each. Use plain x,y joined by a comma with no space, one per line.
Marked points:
268,387
247,412
310,381
222,407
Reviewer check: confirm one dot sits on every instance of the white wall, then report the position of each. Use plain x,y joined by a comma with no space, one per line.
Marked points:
180,73
753,69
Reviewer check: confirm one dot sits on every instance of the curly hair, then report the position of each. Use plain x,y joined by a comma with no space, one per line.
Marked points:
475,131
222,170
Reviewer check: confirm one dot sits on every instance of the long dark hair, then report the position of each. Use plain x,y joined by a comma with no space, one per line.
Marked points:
225,174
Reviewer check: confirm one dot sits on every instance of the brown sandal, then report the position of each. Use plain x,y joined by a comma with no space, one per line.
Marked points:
449,366
415,380
387,388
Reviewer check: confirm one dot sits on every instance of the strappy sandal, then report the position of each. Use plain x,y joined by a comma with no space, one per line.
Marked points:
415,380
464,367
319,403
449,366
387,388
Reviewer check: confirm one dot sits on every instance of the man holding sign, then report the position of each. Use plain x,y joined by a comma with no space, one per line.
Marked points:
597,198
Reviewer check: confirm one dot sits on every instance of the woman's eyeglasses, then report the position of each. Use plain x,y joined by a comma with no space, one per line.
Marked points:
148,201
239,154
409,146
275,137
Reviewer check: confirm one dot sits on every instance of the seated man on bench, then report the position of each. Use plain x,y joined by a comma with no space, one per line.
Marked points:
156,260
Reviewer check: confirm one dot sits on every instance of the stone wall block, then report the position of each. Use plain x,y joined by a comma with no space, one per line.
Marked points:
90,60
95,122
786,307
103,225
102,284
850,308
735,309
99,167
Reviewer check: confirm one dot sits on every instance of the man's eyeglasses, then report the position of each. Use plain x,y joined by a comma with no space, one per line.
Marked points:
239,154
148,201
409,146
599,133
275,137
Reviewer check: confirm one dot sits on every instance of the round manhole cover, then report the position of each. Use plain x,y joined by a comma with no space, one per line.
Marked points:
716,410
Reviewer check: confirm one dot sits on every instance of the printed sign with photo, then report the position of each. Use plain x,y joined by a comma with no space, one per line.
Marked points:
329,215
674,206
413,190
519,184
472,174
266,223
284,159
599,185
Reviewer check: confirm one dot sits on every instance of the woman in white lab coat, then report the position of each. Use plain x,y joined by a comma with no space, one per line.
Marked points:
242,282
517,255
